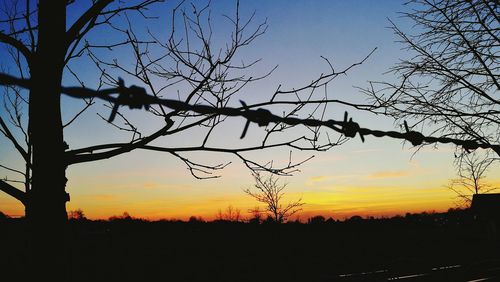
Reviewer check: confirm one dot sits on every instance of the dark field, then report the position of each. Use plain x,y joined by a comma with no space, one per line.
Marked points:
433,248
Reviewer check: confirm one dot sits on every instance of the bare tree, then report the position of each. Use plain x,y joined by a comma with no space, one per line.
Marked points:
230,214
256,215
472,170
186,83
450,84
76,215
199,78
269,192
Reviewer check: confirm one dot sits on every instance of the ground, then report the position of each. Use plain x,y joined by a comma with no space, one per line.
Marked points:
368,250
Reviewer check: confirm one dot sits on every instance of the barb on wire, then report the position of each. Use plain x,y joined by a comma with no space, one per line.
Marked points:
135,97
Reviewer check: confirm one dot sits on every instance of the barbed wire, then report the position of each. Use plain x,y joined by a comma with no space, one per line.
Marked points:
136,98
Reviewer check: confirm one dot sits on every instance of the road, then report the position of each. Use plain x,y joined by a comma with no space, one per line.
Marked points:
488,270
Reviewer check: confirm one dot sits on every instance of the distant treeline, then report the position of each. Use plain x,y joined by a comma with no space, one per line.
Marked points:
449,218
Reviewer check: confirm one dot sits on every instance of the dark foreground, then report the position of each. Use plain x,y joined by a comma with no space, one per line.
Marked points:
376,250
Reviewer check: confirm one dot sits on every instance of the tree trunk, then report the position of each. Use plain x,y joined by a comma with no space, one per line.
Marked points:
46,206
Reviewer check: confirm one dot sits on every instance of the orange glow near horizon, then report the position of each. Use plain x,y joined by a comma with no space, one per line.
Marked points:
338,185
356,201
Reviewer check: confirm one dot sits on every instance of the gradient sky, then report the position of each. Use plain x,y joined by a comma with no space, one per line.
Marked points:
378,177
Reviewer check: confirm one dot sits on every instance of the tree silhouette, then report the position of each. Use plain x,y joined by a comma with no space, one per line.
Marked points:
230,214
449,85
269,192
199,80
76,215
317,219
209,76
257,215
471,170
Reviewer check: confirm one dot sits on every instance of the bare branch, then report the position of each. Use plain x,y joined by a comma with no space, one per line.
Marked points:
18,45
13,170
5,130
13,191
92,13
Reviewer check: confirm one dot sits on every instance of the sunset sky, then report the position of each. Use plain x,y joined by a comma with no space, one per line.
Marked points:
381,177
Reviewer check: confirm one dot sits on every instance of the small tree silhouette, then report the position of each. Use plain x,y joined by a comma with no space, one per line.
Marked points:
195,219
256,215
471,170
269,192
76,215
230,214
125,217
318,219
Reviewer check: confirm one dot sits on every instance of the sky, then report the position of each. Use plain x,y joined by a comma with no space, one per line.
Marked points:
380,177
